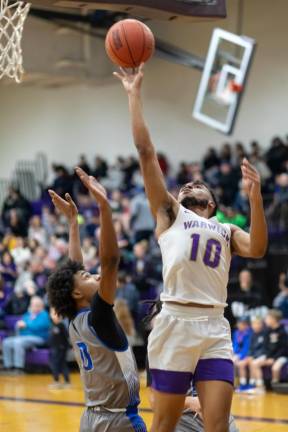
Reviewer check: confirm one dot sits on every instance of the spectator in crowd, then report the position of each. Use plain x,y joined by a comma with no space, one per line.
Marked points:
39,275
18,204
3,298
275,350
8,269
228,183
279,208
18,302
141,267
25,276
59,344
211,159
241,340
32,330
83,163
239,154
89,252
164,164
121,234
241,202
142,222
281,300
183,175
116,201
36,231
229,215
21,253
276,155
256,351
63,181
226,153
16,224
127,291
246,299
100,169
125,318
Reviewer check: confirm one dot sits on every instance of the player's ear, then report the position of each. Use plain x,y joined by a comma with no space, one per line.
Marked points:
77,294
211,206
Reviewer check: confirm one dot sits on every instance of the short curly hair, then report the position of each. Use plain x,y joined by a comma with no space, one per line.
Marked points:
60,287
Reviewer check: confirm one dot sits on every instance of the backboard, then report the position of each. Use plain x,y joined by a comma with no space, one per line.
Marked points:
190,10
223,80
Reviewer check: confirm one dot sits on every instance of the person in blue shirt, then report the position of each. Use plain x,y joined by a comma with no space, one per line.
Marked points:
256,352
241,341
32,330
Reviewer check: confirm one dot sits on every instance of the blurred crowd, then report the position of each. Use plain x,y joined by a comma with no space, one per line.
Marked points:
34,238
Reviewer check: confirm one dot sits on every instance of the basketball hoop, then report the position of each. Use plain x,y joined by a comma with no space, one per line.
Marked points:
12,18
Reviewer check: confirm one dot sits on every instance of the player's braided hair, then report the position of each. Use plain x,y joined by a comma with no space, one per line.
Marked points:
60,287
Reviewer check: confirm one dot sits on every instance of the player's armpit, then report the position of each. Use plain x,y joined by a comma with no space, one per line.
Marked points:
241,244
155,187
166,215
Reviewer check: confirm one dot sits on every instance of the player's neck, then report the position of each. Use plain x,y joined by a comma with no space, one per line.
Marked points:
82,304
199,211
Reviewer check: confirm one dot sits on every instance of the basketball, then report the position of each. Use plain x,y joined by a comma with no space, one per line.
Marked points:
129,43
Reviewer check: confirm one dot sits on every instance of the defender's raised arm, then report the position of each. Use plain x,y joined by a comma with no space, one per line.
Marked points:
109,252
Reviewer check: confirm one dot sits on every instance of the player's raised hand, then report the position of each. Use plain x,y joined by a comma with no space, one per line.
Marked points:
65,206
95,188
131,81
251,180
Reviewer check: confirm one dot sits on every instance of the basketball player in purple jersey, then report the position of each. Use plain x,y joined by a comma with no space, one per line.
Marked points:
191,339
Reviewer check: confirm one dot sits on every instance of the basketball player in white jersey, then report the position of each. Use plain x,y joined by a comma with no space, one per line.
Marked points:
191,339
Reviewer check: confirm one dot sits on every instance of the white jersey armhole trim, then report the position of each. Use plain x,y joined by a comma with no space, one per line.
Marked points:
180,211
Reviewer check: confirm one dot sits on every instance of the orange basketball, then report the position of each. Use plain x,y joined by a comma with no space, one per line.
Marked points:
129,43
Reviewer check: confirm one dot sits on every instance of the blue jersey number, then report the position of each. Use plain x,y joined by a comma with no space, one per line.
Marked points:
85,356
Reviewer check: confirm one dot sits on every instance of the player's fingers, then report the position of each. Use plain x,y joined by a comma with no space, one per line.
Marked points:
124,72
248,165
51,193
118,75
55,197
69,199
82,174
254,179
141,67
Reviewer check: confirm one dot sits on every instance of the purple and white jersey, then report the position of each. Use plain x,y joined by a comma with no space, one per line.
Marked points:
196,260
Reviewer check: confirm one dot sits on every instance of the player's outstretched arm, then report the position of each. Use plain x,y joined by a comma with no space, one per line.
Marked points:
154,181
69,209
108,248
254,244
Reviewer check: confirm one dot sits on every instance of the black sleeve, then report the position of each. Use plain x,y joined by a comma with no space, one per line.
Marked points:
103,320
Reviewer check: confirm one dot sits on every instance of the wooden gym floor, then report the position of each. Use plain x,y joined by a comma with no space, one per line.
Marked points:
28,405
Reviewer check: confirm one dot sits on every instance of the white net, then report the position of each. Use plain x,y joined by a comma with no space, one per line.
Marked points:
12,18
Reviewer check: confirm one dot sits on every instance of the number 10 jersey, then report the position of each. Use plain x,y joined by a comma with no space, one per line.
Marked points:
196,256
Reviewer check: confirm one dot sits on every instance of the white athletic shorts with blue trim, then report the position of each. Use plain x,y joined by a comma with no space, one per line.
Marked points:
189,344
